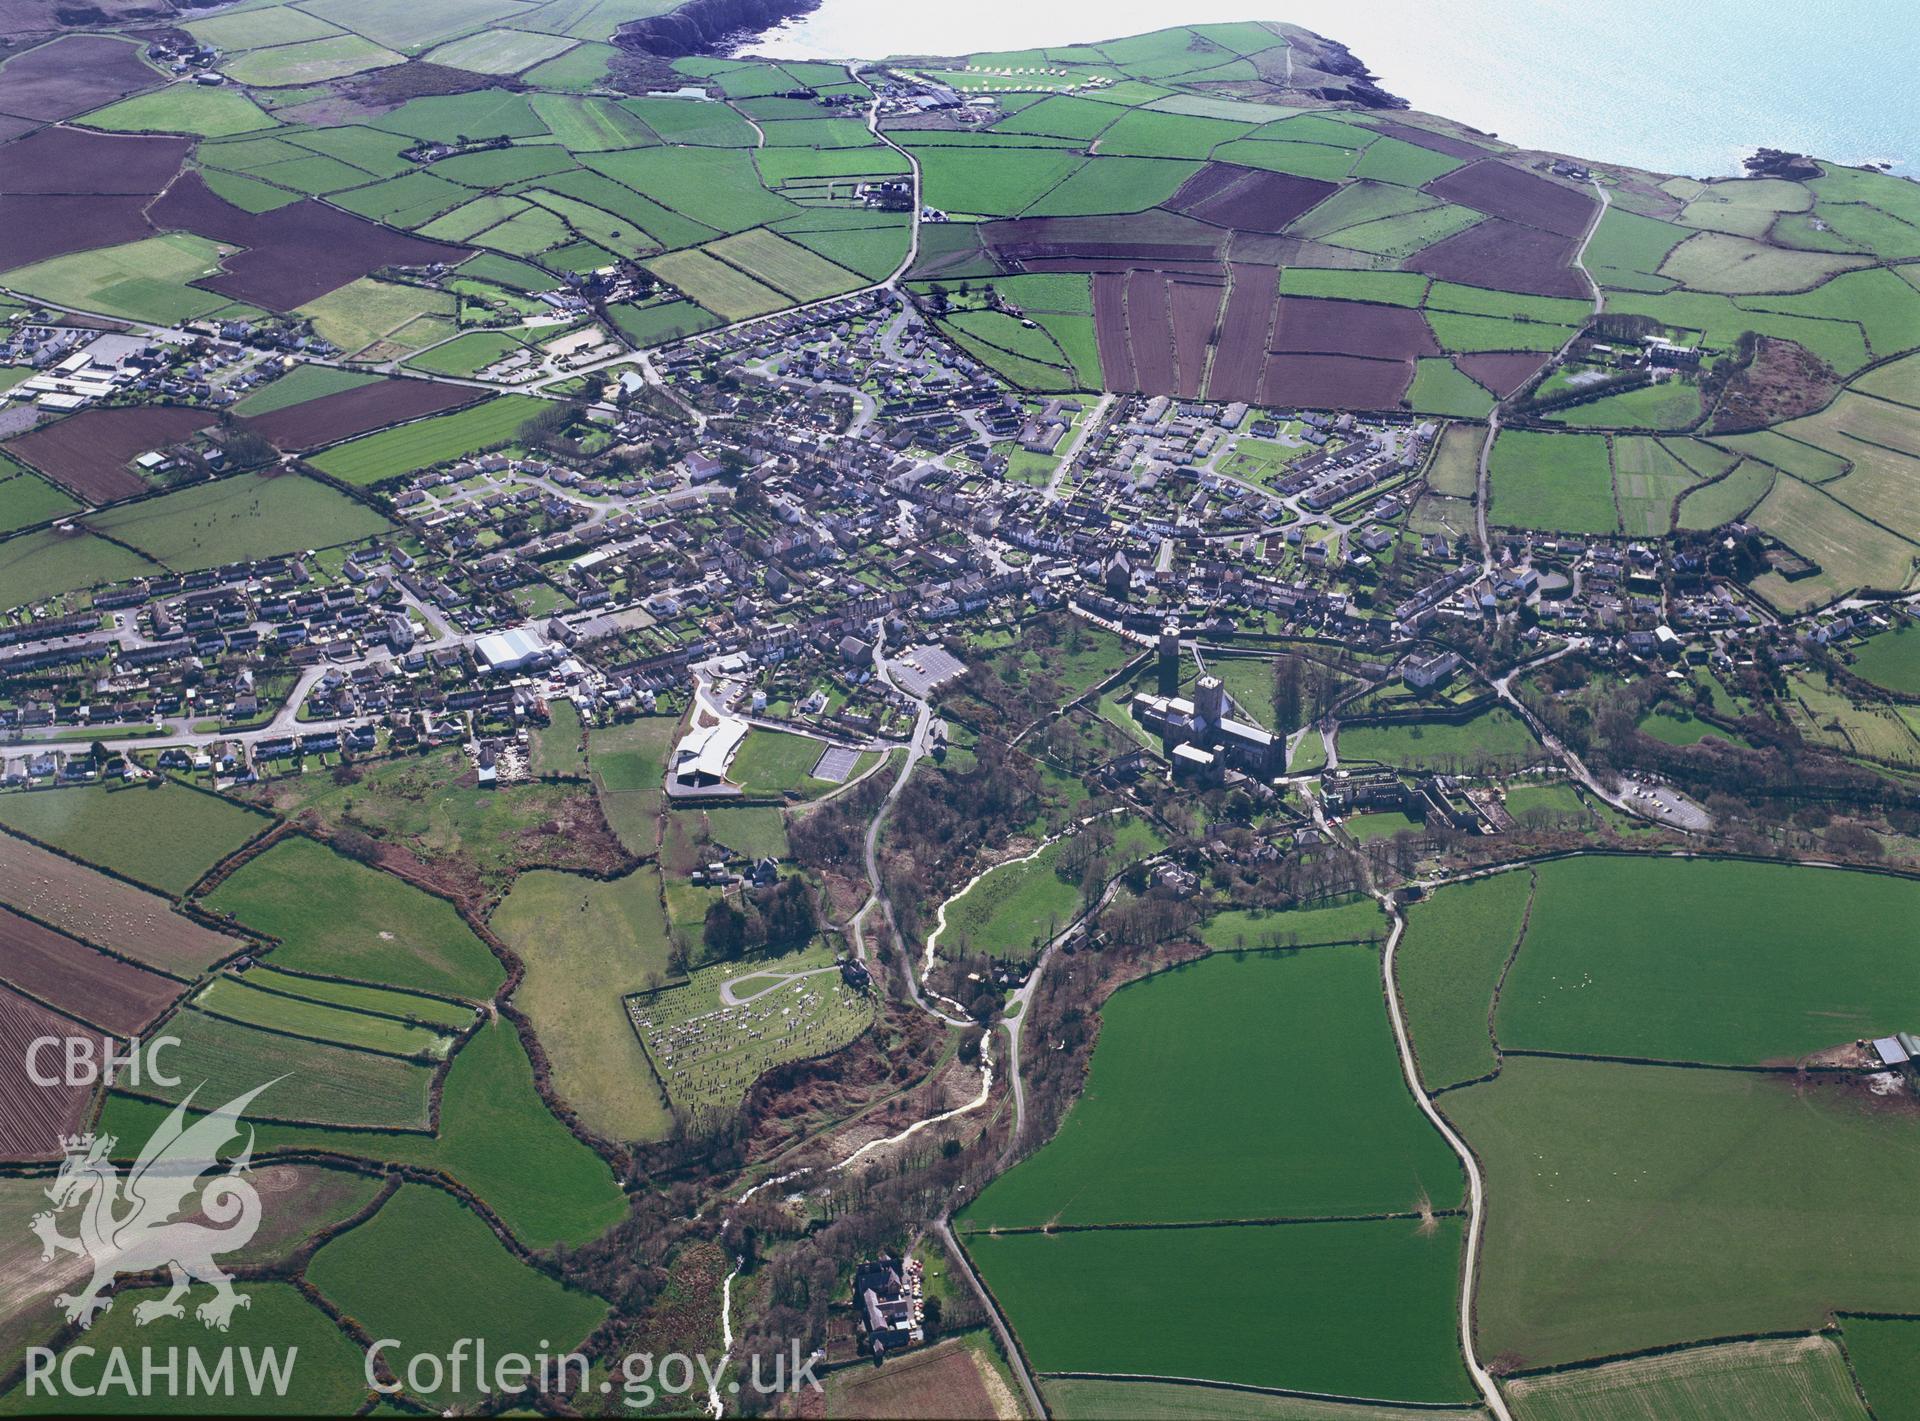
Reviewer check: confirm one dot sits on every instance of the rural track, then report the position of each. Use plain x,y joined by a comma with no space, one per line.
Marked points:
1476,1189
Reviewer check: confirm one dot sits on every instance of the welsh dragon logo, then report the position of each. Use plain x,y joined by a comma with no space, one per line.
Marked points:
130,1225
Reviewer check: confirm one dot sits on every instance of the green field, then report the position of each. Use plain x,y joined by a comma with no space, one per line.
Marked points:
492,1121
500,51
1185,1063
725,290
1642,1205
428,1272
366,311
248,518
183,108
243,1000
1792,1379
628,765
1891,659
1356,1309
140,281
1240,929
157,833
993,182
310,62
1621,952
312,1081
1013,910
325,1372
27,499
1666,404
586,945
1494,737
1556,482
46,564
1440,387
336,917
306,381
444,1016
374,458
801,274
1079,1400
1456,944
1886,1358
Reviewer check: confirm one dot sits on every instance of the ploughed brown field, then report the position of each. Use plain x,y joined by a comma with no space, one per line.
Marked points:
1502,190
1150,332
33,1117
105,911
39,226
1334,381
1526,259
1243,333
1308,324
1426,138
88,453
349,412
70,160
72,75
294,253
115,996
1501,371
1250,199
1195,306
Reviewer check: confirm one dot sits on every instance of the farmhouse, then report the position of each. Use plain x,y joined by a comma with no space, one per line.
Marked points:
887,1301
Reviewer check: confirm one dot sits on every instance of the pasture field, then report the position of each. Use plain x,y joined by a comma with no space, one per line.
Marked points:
84,903
801,274
47,564
1891,659
1885,1353
362,312
260,28
1665,404
446,1016
183,108
1456,943
692,122
660,323
465,355
312,1081
492,1121
709,1052
1795,456
427,1270
157,833
1390,288
1627,250
306,381
628,765
1737,265
238,999
1647,478
246,518
1079,1400
1734,496
1898,382
1683,729
589,125
140,281
991,182
1185,1064
726,291
312,61
413,29
326,1369
337,917
440,439
1496,737
1638,1206
26,499
1440,387
1850,551
756,831
1102,185
1466,334
1360,1309
586,945
1013,909
559,747
1560,482
717,187
1781,1379
1455,468
1242,929
500,51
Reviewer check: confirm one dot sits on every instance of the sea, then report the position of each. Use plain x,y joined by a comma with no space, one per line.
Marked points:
1675,86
